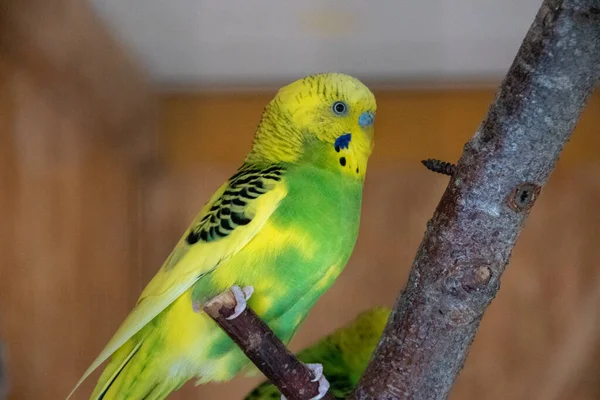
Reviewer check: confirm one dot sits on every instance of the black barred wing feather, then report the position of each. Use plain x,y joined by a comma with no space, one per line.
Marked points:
233,216
230,210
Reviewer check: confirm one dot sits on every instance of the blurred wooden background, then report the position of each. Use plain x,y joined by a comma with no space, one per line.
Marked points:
99,176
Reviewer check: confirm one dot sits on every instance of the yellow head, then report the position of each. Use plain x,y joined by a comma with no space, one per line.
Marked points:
325,119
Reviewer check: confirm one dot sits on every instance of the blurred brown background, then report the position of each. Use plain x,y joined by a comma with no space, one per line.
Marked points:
100,173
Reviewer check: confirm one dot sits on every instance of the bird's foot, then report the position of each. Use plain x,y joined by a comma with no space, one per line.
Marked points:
241,298
317,370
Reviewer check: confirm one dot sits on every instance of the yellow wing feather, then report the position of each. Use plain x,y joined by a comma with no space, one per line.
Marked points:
186,265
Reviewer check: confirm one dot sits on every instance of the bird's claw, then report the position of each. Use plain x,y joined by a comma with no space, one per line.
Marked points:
323,388
241,298
317,370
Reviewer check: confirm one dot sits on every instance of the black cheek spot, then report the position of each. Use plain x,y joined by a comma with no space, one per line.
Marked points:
343,161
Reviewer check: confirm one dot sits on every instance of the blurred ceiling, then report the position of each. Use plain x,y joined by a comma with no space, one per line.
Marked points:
260,42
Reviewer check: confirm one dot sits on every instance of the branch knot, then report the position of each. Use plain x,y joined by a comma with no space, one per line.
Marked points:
523,197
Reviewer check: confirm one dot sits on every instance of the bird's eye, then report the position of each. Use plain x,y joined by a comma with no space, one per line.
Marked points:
340,108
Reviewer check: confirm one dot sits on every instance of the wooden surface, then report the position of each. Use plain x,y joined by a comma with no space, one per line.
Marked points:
539,339
540,334
72,107
410,126
91,204
88,226
66,51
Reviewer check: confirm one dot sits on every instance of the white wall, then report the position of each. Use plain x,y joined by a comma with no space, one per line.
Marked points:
208,42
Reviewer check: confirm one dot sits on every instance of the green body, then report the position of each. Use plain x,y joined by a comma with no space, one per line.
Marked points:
323,208
285,224
318,220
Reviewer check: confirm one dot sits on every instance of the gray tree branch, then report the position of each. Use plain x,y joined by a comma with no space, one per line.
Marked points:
468,242
264,349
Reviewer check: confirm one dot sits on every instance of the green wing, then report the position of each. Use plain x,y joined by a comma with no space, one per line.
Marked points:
228,221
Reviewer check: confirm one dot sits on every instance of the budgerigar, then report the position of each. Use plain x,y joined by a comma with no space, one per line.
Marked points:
282,227
344,355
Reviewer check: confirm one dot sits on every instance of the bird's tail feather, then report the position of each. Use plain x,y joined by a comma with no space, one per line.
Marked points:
132,374
111,374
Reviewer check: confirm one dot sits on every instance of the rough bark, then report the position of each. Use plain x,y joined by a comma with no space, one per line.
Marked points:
468,242
441,167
